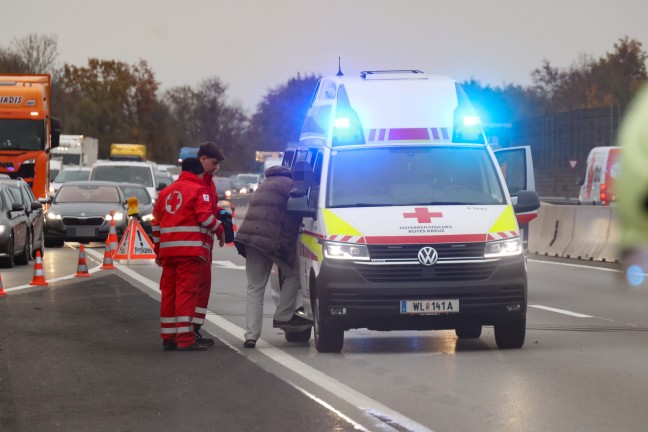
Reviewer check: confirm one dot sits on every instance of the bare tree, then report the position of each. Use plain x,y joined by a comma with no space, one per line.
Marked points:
37,51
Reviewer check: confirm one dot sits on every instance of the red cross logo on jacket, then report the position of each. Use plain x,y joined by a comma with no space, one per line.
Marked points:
173,202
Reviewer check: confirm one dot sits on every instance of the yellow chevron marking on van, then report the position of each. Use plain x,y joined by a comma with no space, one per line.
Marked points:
313,246
505,222
336,225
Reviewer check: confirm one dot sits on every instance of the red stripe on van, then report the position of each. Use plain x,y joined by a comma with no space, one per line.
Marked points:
451,238
403,134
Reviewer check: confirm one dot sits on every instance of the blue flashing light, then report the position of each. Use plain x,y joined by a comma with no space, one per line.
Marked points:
635,275
471,120
342,122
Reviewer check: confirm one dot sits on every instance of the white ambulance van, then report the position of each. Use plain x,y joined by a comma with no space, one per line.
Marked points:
408,223
601,173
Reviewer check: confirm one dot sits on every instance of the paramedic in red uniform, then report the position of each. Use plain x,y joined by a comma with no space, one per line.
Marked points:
182,215
210,156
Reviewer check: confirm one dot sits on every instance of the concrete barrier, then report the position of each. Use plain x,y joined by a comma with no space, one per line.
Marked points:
590,233
580,232
610,252
541,230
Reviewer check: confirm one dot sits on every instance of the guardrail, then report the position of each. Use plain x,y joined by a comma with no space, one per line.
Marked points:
581,232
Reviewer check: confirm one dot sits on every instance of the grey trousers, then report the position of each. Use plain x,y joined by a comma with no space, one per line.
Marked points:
258,266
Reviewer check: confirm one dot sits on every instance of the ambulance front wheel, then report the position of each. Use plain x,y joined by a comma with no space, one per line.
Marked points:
510,334
301,336
328,338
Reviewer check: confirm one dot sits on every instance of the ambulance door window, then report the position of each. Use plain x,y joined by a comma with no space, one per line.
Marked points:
313,195
289,156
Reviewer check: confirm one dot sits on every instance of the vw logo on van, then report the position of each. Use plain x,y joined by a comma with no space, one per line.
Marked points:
428,256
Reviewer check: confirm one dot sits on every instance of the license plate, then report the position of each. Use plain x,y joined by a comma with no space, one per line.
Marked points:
429,306
85,232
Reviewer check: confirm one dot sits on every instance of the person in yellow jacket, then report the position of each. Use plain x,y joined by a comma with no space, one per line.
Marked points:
632,189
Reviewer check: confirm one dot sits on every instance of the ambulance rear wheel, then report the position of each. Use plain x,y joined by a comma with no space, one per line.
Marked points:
510,334
328,338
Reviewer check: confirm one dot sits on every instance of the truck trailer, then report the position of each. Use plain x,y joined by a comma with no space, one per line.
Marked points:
79,150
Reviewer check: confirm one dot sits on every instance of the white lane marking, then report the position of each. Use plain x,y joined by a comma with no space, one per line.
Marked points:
228,265
70,276
561,311
344,392
356,426
574,265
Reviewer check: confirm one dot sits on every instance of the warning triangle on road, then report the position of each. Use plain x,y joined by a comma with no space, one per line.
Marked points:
135,243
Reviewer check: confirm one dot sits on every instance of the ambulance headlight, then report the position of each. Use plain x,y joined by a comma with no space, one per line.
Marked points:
345,251
503,248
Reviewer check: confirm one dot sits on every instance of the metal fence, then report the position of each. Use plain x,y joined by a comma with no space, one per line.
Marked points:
557,139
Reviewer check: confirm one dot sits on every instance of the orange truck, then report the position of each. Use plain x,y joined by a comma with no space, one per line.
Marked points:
27,130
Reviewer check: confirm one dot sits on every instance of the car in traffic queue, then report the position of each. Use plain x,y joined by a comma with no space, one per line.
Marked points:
223,188
21,192
145,204
81,212
14,230
126,171
68,174
408,222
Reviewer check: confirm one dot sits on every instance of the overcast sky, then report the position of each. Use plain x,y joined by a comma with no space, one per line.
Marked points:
256,45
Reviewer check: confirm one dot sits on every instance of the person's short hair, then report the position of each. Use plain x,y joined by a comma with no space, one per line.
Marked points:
211,150
192,165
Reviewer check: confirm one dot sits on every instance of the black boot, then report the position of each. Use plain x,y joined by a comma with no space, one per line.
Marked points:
200,339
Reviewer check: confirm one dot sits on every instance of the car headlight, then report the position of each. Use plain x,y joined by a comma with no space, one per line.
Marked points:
503,248
228,193
2,229
51,189
53,216
147,218
118,216
243,191
345,251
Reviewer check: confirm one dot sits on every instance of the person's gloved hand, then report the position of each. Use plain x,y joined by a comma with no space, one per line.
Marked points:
224,215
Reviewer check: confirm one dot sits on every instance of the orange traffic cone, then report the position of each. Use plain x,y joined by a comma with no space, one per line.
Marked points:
107,259
2,291
82,267
39,275
112,234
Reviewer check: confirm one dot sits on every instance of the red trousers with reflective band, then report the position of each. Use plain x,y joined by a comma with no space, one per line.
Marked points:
179,286
204,290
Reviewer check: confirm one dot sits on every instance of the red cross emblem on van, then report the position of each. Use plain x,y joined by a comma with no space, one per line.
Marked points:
422,215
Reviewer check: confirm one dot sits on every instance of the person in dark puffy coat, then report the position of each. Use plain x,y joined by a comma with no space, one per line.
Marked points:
269,235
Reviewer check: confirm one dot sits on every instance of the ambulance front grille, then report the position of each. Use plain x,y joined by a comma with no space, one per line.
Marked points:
439,272
410,252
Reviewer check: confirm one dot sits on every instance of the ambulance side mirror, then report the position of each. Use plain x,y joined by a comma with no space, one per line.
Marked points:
527,201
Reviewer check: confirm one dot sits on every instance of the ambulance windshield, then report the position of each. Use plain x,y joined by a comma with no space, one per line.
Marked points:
399,176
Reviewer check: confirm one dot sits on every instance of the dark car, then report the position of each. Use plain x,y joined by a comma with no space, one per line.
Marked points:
162,179
80,212
14,230
145,203
22,193
223,187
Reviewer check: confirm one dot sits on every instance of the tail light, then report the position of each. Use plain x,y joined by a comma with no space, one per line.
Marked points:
603,194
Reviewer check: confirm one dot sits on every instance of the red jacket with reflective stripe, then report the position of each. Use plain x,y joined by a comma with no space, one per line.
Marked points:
182,218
